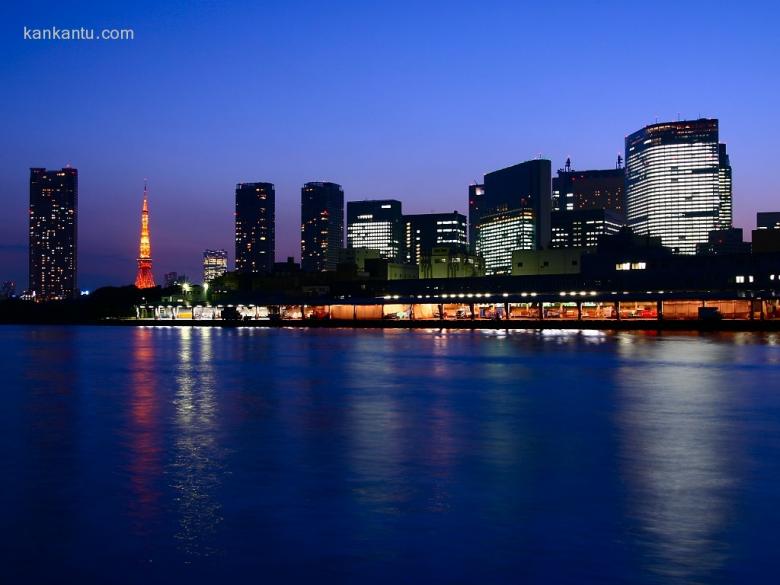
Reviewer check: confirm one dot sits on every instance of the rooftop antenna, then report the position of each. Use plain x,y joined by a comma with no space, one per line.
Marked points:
619,164
567,166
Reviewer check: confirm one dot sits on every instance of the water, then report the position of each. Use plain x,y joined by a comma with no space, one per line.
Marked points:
166,455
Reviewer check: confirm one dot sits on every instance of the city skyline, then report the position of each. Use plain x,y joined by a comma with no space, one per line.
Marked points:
465,117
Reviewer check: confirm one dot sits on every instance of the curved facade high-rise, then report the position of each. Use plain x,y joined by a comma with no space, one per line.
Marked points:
678,183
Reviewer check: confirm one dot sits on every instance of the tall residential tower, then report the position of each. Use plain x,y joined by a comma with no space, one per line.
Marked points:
53,233
255,227
322,226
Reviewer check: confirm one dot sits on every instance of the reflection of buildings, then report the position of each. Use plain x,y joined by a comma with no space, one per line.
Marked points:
53,232
678,451
197,466
145,443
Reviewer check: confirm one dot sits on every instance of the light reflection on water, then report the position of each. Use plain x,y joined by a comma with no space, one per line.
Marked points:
680,453
373,456
197,467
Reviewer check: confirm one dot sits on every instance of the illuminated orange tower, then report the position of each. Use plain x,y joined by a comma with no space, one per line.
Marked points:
145,278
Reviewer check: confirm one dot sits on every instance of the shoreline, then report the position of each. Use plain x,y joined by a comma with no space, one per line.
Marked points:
539,324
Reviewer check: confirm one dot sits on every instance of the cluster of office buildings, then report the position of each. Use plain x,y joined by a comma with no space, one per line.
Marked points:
673,185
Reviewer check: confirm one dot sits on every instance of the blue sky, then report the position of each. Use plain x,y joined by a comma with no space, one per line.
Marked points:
390,99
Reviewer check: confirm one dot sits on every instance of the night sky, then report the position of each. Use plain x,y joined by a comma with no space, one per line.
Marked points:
391,100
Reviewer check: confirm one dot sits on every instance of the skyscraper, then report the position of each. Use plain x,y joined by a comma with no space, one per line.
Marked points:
499,234
255,227
425,231
144,277
584,228
678,183
595,189
322,226
526,187
376,225
476,196
53,233
215,263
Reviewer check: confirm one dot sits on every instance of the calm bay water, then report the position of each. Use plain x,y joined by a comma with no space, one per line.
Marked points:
146,455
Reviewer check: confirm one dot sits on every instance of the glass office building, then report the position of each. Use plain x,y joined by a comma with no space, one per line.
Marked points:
678,183
500,234
376,225
583,228
425,231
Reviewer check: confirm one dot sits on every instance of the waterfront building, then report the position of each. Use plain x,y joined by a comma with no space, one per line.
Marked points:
583,228
357,257
450,262
583,190
53,231
526,188
425,231
8,289
476,203
727,241
255,227
768,220
322,226
170,279
500,234
144,277
766,236
540,262
288,268
215,264
376,225
678,183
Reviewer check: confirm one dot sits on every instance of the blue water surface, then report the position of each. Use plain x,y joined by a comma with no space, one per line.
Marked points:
202,455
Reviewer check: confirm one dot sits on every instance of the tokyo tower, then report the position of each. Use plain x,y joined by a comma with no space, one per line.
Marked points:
145,278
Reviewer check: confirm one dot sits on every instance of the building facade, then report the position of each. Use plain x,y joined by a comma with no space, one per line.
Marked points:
476,203
53,232
322,226
596,189
376,225
255,227
527,188
678,183
424,232
448,262
583,228
500,234
215,264
768,220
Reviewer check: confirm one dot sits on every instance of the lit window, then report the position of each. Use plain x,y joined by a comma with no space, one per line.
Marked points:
740,279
